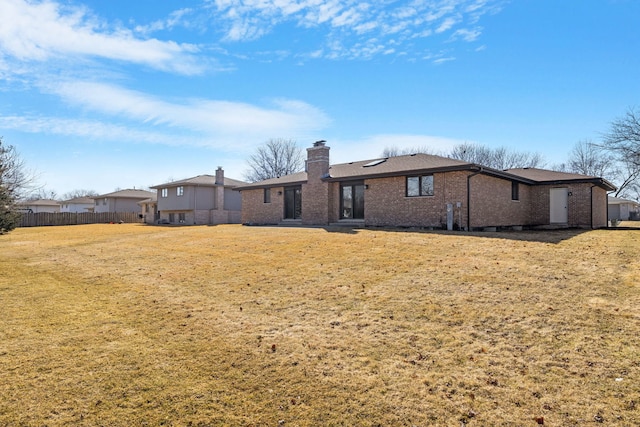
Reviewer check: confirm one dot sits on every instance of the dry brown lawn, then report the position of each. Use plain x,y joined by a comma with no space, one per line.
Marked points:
127,325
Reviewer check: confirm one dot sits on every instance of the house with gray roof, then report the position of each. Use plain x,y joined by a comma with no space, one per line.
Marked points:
422,190
39,206
200,200
623,209
149,209
121,201
78,205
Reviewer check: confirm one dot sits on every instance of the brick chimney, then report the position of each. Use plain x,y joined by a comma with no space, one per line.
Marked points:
219,176
315,193
317,161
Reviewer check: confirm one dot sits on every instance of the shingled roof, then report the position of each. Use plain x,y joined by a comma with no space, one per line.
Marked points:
427,163
206,180
372,168
127,194
544,176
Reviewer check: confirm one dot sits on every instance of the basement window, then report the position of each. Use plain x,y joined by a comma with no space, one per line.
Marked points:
420,186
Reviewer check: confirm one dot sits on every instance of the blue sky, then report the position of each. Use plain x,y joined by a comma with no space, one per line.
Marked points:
118,94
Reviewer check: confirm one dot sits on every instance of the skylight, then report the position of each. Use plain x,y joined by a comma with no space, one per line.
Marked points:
374,163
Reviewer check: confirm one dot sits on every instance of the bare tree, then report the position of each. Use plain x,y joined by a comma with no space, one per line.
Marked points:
15,181
393,151
627,179
588,158
42,193
624,136
14,175
497,158
277,157
472,153
79,193
623,140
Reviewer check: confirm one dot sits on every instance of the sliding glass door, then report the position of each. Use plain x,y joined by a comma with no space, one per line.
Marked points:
352,201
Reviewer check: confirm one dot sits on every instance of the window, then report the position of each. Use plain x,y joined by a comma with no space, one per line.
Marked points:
172,217
104,201
180,191
515,190
181,217
267,195
164,192
420,185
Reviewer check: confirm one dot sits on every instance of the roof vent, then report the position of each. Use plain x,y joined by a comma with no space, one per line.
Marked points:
374,163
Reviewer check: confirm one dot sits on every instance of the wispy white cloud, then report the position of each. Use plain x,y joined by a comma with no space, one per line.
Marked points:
175,18
47,30
140,117
447,24
84,128
443,60
352,22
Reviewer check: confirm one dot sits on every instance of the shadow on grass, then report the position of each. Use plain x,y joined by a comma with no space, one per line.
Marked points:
540,235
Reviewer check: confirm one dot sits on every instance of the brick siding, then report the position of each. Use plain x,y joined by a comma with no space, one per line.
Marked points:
492,206
256,211
386,203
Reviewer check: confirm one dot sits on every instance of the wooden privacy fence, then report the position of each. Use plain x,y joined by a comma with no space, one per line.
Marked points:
71,218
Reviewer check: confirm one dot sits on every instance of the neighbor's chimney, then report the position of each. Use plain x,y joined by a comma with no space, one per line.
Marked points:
219,176
317,165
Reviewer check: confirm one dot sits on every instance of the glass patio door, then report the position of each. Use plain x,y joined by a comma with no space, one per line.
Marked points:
352,201
293,202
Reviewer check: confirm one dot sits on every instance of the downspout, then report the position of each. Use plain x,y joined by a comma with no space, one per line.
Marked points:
607,213
195,203
469,197
591,206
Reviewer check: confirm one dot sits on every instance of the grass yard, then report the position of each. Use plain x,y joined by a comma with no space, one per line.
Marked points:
127,325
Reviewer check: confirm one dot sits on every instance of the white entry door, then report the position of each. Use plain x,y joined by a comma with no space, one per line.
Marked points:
559,206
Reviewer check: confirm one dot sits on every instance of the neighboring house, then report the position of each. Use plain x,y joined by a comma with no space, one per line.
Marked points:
422,190
623,209
204,199
149,209
77,205
40,205
121,201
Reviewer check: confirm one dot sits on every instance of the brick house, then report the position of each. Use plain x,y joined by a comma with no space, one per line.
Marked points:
422,190
203,199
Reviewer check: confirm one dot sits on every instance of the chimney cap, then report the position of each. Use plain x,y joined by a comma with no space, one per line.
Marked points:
319,143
